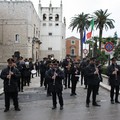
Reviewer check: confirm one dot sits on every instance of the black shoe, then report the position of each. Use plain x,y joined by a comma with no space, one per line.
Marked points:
87,105
97,93
112,101
75,94
97,105
71,94
17,109
54,107
6,110
61,107
117,102
49,95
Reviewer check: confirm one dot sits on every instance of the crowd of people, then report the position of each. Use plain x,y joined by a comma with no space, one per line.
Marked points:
58,75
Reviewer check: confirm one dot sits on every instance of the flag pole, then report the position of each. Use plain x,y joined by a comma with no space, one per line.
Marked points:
93,39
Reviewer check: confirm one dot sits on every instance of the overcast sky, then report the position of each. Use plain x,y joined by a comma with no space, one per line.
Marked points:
75,7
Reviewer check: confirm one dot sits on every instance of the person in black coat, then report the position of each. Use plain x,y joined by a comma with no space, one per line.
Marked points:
67,65
37,67
99,66
10,76
42,71
113,71
75,77
83,66
92,74
55,77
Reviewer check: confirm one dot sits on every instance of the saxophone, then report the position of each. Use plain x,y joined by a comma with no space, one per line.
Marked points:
69,66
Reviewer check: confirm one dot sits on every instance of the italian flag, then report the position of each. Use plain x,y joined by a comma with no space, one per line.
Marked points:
89,34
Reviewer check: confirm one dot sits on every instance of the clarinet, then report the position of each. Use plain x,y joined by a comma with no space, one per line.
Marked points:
96,67
54,78
10,77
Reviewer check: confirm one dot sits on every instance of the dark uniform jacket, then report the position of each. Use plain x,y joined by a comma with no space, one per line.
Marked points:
37,65
67,63
42,67
10,86
75,71
55,85
92,79
113,79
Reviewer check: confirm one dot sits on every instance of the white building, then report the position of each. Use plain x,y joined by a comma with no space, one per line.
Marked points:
52,31
19,29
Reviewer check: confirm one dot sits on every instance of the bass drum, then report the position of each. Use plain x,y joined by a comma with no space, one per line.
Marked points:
33,72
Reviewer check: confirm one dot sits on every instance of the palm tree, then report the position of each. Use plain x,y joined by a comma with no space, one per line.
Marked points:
102,21
80,22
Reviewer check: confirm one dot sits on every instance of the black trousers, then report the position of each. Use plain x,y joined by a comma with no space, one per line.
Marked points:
67,79
8,96
54,98
74,83
82,77
22,82
38,73
113,87
91,89
42,78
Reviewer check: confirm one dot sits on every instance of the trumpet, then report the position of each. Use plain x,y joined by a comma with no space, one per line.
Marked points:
69,65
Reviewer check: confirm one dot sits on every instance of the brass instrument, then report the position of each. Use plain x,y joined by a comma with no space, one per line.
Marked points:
69,65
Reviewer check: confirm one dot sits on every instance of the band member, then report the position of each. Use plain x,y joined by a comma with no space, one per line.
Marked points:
99,66
67,64
27,73
74,78
50,65
20,66
55,76
92,74
31,66
10,76
42,71
37,67
113,71
83,66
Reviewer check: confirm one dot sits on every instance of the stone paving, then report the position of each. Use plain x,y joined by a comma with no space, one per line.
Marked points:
35,105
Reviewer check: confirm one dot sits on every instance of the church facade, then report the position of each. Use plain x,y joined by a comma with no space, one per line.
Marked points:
52,31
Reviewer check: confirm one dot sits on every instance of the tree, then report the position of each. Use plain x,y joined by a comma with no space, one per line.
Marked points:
117,52
102,21
80,22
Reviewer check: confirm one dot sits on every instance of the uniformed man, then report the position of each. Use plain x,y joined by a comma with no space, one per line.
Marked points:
55,76
10,76
92,74
113,71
